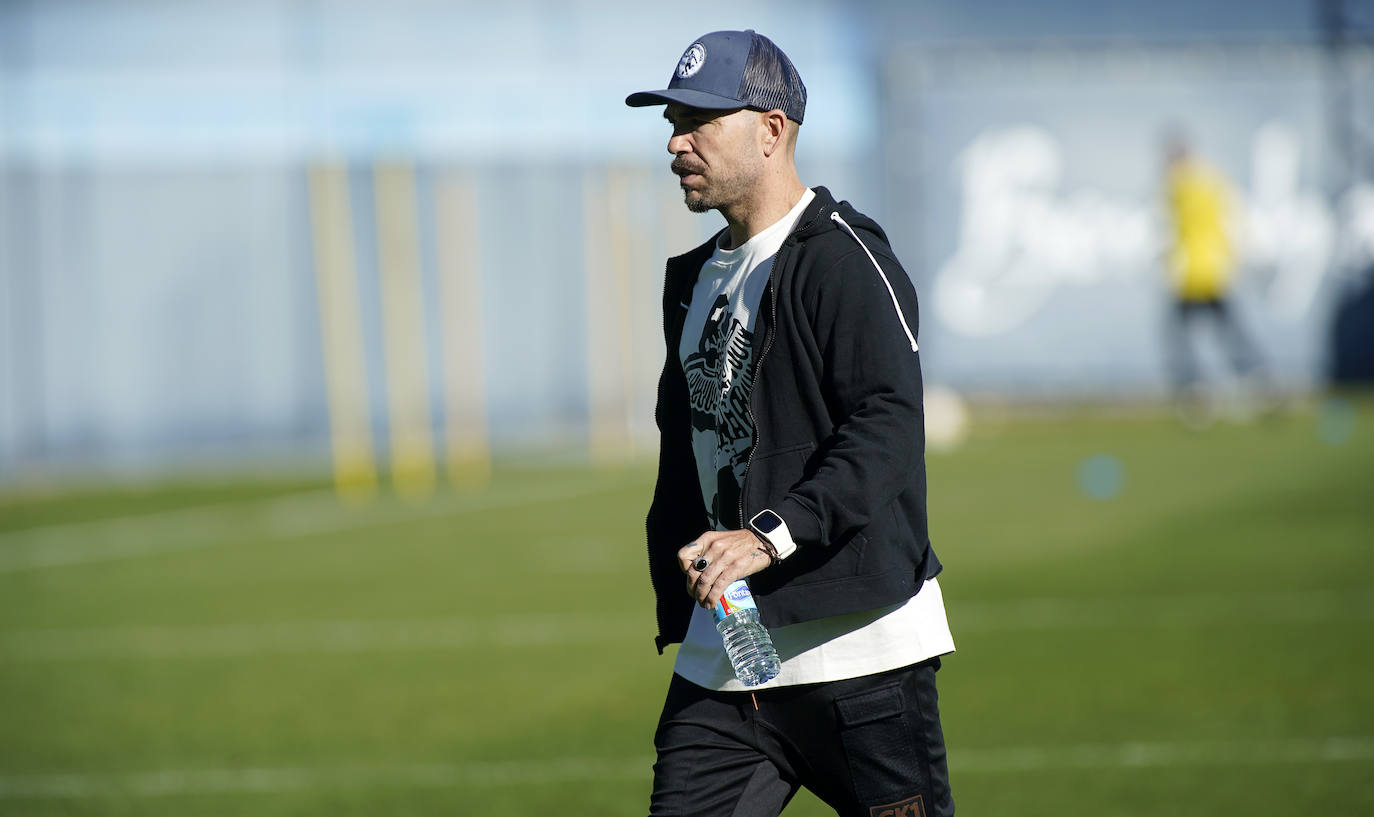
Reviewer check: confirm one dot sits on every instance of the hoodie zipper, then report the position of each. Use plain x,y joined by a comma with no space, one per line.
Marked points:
787,244
754,378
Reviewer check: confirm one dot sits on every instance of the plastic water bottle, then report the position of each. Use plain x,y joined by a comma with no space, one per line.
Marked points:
746,639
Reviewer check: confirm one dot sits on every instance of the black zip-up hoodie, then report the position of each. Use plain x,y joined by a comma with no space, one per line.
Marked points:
839,435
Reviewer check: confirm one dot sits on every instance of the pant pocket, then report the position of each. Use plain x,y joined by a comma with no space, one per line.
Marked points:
879,749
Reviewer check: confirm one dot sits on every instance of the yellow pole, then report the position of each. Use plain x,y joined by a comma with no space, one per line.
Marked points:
350,423
602,380
466,434
610,353
403,331
618,202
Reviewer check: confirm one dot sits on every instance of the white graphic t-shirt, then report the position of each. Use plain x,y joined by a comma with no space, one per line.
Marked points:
717,353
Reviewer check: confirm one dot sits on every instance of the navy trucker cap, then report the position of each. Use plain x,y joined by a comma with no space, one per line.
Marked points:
732,69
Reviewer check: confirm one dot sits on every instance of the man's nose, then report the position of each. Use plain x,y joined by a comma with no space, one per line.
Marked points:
678,144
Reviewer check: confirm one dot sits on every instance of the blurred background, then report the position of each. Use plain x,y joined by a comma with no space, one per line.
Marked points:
303,311
224,224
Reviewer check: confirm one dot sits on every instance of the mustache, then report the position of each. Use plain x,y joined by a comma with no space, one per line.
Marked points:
682,167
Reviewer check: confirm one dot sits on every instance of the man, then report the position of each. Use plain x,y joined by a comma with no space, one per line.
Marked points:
791,453
1201,266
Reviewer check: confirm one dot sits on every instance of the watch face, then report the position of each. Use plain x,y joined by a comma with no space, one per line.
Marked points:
767,522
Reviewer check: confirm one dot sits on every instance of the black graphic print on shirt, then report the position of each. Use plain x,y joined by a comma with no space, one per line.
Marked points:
719,379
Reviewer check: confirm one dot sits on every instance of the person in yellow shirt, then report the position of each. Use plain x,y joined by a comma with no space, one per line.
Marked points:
1201,263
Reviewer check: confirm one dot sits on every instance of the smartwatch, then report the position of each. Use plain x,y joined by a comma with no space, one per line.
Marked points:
773,531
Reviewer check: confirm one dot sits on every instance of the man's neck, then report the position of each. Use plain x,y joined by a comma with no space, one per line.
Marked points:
750,218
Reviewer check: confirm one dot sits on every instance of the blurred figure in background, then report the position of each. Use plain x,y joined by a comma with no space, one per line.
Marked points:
1201,263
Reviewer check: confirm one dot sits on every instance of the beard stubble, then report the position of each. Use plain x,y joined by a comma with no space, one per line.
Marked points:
715,193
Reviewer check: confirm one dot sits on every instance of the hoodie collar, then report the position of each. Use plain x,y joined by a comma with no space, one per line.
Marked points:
816,216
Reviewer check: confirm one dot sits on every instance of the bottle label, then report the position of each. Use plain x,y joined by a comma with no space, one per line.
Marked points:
735,597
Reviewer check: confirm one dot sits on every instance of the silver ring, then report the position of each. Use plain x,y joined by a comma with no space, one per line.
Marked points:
700,564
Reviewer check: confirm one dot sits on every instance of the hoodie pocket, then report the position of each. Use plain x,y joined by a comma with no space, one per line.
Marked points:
773,474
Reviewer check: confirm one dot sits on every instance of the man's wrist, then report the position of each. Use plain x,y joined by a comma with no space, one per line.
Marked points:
772,530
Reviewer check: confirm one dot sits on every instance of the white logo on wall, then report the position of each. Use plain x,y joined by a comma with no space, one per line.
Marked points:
691,61
1022,237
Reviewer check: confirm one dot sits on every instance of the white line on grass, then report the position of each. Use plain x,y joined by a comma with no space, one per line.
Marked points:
1139,754
272,519
1130,755
454,633
607,627
1177,610
286,779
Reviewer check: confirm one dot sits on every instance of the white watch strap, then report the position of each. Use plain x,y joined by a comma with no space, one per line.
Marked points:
780,537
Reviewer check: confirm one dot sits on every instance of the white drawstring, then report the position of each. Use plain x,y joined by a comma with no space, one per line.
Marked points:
835,217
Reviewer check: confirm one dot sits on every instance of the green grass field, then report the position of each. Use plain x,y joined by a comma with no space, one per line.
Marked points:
1196,643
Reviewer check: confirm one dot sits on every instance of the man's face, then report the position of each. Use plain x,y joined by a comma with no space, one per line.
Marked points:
716,155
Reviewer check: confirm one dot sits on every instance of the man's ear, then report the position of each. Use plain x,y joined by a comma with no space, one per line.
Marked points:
773,131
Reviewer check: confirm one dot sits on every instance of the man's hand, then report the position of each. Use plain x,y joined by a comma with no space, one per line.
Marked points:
730,555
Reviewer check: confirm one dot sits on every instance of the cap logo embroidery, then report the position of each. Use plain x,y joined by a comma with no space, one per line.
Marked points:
691,61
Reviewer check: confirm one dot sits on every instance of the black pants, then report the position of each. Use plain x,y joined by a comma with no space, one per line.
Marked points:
868,747
1243,354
